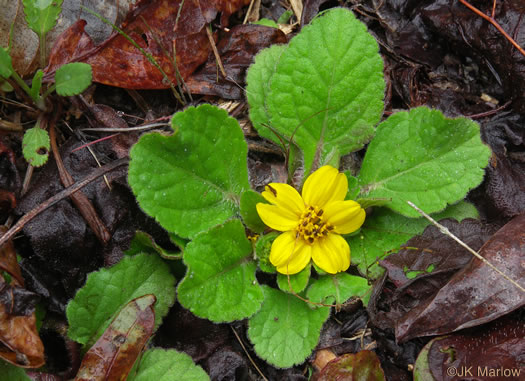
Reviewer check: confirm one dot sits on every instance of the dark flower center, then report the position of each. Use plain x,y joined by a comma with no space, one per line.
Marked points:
312,226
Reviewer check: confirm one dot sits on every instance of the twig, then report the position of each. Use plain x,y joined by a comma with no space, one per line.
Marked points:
216,52
98,163
490,112
87,145
493,22
27,179
129,129
59,197
80,200
247,354
445,231
10,126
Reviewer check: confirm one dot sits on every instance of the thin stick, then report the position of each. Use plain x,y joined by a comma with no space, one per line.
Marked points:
445,231
248,12
216,52
80,200
86,145
493,22
116,129
27,179
59,197
490,112
100,165
247,354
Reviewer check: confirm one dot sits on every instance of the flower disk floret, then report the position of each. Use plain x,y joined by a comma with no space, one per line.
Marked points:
312,223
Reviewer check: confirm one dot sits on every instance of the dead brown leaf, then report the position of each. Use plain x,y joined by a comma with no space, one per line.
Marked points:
113,355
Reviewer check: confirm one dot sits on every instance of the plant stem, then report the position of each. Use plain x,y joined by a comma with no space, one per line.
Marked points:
42,40
22,84
49,90
38,100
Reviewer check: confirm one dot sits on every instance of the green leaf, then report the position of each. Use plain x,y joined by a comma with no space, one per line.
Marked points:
328,87
422,371
35,146
192,180
144,243
285,331
5,86
73,78
353,186
257,89
249,200
220,283
285,17
338,289
385,232
263,247
167,365
36,84
42,15
298,281
266,22
413,274
178,241
6,65
370,202
12,373
107,290
423,157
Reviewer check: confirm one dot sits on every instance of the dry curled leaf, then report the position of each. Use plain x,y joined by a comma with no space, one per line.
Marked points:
20,343
476,294
172,32
362,366
486,351
113,355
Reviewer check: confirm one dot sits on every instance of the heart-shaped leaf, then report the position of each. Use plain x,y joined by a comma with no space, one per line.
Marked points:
285,331
220,284
327,89
423,157
192,180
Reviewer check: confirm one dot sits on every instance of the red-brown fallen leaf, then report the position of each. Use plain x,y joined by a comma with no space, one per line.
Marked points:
20,343
360,366
156,28
113,355
72,45
7,200
490,352
435,251
8,261
476,294
237,49
435,258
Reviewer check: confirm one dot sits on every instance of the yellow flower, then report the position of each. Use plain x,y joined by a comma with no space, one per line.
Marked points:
312,224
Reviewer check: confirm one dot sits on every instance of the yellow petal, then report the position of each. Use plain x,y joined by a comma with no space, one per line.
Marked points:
325,185
346,216
276,217
289,254
332,254
284,196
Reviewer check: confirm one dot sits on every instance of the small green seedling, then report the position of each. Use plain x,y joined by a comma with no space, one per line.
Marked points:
70,79
41,17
